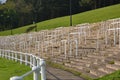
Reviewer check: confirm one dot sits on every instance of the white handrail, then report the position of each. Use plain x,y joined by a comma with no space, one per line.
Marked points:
37,64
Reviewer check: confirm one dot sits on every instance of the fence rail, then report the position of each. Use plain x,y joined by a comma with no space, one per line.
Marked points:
37,64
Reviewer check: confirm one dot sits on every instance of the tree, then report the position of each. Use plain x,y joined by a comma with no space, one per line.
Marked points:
0,2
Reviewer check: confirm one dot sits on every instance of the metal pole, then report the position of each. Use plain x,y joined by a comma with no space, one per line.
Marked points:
36,73
76,47
43,71
106,37
115,37
16,78
70,13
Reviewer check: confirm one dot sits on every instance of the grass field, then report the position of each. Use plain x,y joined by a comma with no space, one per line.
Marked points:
10,68
113,76
89,16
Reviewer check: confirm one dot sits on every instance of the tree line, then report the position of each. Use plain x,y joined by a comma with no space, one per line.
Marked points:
16,13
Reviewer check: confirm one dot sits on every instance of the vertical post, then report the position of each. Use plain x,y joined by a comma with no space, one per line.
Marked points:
106,37
39,48
115,37
42,49
26,59
76,47
34,61
24,46
65,46
70,5
36,73
89,30
8,54
29,46
38,62
30,60
43,71
71,48
3,53
12,55
119,41
16,57
21,58
85,37
97,44
52,48
0,52
108,29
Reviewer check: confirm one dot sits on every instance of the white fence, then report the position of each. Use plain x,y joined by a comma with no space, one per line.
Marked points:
37,64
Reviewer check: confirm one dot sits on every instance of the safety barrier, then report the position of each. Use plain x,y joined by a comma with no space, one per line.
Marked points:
37,64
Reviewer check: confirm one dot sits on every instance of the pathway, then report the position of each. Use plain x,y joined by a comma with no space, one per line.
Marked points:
58,74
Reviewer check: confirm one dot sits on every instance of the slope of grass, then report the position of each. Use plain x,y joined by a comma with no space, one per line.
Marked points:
89,16
10,68
113,76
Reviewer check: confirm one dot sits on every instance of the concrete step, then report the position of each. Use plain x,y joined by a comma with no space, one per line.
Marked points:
94,60
77,66
117,62
95,56
91,75
68,65
107,53
106,70
77,63
80,60
97,72
116,57
113,66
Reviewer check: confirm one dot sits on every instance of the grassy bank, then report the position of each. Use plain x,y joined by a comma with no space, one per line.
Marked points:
113,76
10,68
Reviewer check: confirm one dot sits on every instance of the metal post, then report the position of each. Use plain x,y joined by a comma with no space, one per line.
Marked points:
34,61
97,44
36,73
8,55
38,48
12,55
65,46
85,37
115,37
31,61
70,48
0,52
52,49
21,58
106,37
29,47
70,5
16,57
76,47
26,59
43,71
119,41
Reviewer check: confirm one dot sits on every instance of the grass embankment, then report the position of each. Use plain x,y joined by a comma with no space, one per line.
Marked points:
88,16
113,76
10,68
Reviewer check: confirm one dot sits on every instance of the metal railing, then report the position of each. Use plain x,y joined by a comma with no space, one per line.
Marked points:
37,64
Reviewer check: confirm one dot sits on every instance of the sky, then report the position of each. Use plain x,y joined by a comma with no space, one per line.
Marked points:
3,1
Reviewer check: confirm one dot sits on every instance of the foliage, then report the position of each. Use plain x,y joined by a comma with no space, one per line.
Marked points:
10,68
